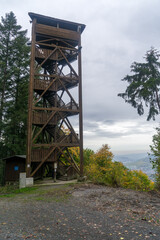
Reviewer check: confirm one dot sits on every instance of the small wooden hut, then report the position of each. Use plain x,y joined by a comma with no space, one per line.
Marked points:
13,166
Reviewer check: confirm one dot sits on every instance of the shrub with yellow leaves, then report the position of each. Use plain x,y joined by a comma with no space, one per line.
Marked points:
101,169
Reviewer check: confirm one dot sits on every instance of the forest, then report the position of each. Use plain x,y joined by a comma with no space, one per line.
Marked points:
14,77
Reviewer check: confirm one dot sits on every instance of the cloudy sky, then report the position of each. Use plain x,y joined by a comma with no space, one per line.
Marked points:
117,33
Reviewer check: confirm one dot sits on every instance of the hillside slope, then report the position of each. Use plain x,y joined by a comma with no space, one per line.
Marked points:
137,162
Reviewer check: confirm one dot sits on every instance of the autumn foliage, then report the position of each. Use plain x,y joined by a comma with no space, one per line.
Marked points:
103,170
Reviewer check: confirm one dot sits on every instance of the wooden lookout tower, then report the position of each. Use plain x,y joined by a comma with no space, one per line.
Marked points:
55,83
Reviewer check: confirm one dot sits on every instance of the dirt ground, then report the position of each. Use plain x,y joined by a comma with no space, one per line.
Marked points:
81,211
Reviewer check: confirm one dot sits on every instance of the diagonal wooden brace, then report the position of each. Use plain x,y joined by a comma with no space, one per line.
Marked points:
44,126
39,66
70,66
68,92
45,90
41,163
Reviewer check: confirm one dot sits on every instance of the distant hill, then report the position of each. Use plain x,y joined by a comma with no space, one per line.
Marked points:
137,162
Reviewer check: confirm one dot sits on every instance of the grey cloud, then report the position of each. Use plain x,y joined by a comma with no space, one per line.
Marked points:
93,129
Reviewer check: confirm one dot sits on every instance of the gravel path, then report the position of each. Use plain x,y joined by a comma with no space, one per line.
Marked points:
80,212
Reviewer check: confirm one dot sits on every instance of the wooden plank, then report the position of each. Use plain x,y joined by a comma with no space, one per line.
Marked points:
38,154
56,144
65,77
40,118
40,84
56,109
57,32
70,45
54,45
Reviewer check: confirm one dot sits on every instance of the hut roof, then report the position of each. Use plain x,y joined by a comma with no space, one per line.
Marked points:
14,156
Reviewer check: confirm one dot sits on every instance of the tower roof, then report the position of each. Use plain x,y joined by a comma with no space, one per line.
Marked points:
56,22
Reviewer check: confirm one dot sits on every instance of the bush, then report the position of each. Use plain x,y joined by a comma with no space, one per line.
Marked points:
103,170
137,180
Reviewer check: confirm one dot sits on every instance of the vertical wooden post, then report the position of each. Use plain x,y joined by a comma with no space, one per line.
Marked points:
80,105
30,101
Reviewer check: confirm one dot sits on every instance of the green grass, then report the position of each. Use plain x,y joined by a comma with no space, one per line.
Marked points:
56,195
52,193
45,194
13,190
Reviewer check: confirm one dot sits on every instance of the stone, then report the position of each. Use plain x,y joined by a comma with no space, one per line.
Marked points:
22,180
29,181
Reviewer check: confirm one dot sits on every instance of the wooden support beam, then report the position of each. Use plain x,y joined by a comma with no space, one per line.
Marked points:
30,100
80,107
61,109
45,145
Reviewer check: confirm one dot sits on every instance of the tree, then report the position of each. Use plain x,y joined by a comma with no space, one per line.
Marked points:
14,76
87,153
144,83
155,158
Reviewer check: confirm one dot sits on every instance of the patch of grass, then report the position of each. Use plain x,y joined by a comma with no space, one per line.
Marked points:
28,190
45,194
8,189
52,193
13,190
55,194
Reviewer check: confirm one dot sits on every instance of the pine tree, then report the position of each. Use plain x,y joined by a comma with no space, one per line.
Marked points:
14,75
144,83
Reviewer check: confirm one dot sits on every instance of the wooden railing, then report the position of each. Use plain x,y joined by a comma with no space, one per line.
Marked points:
41,83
